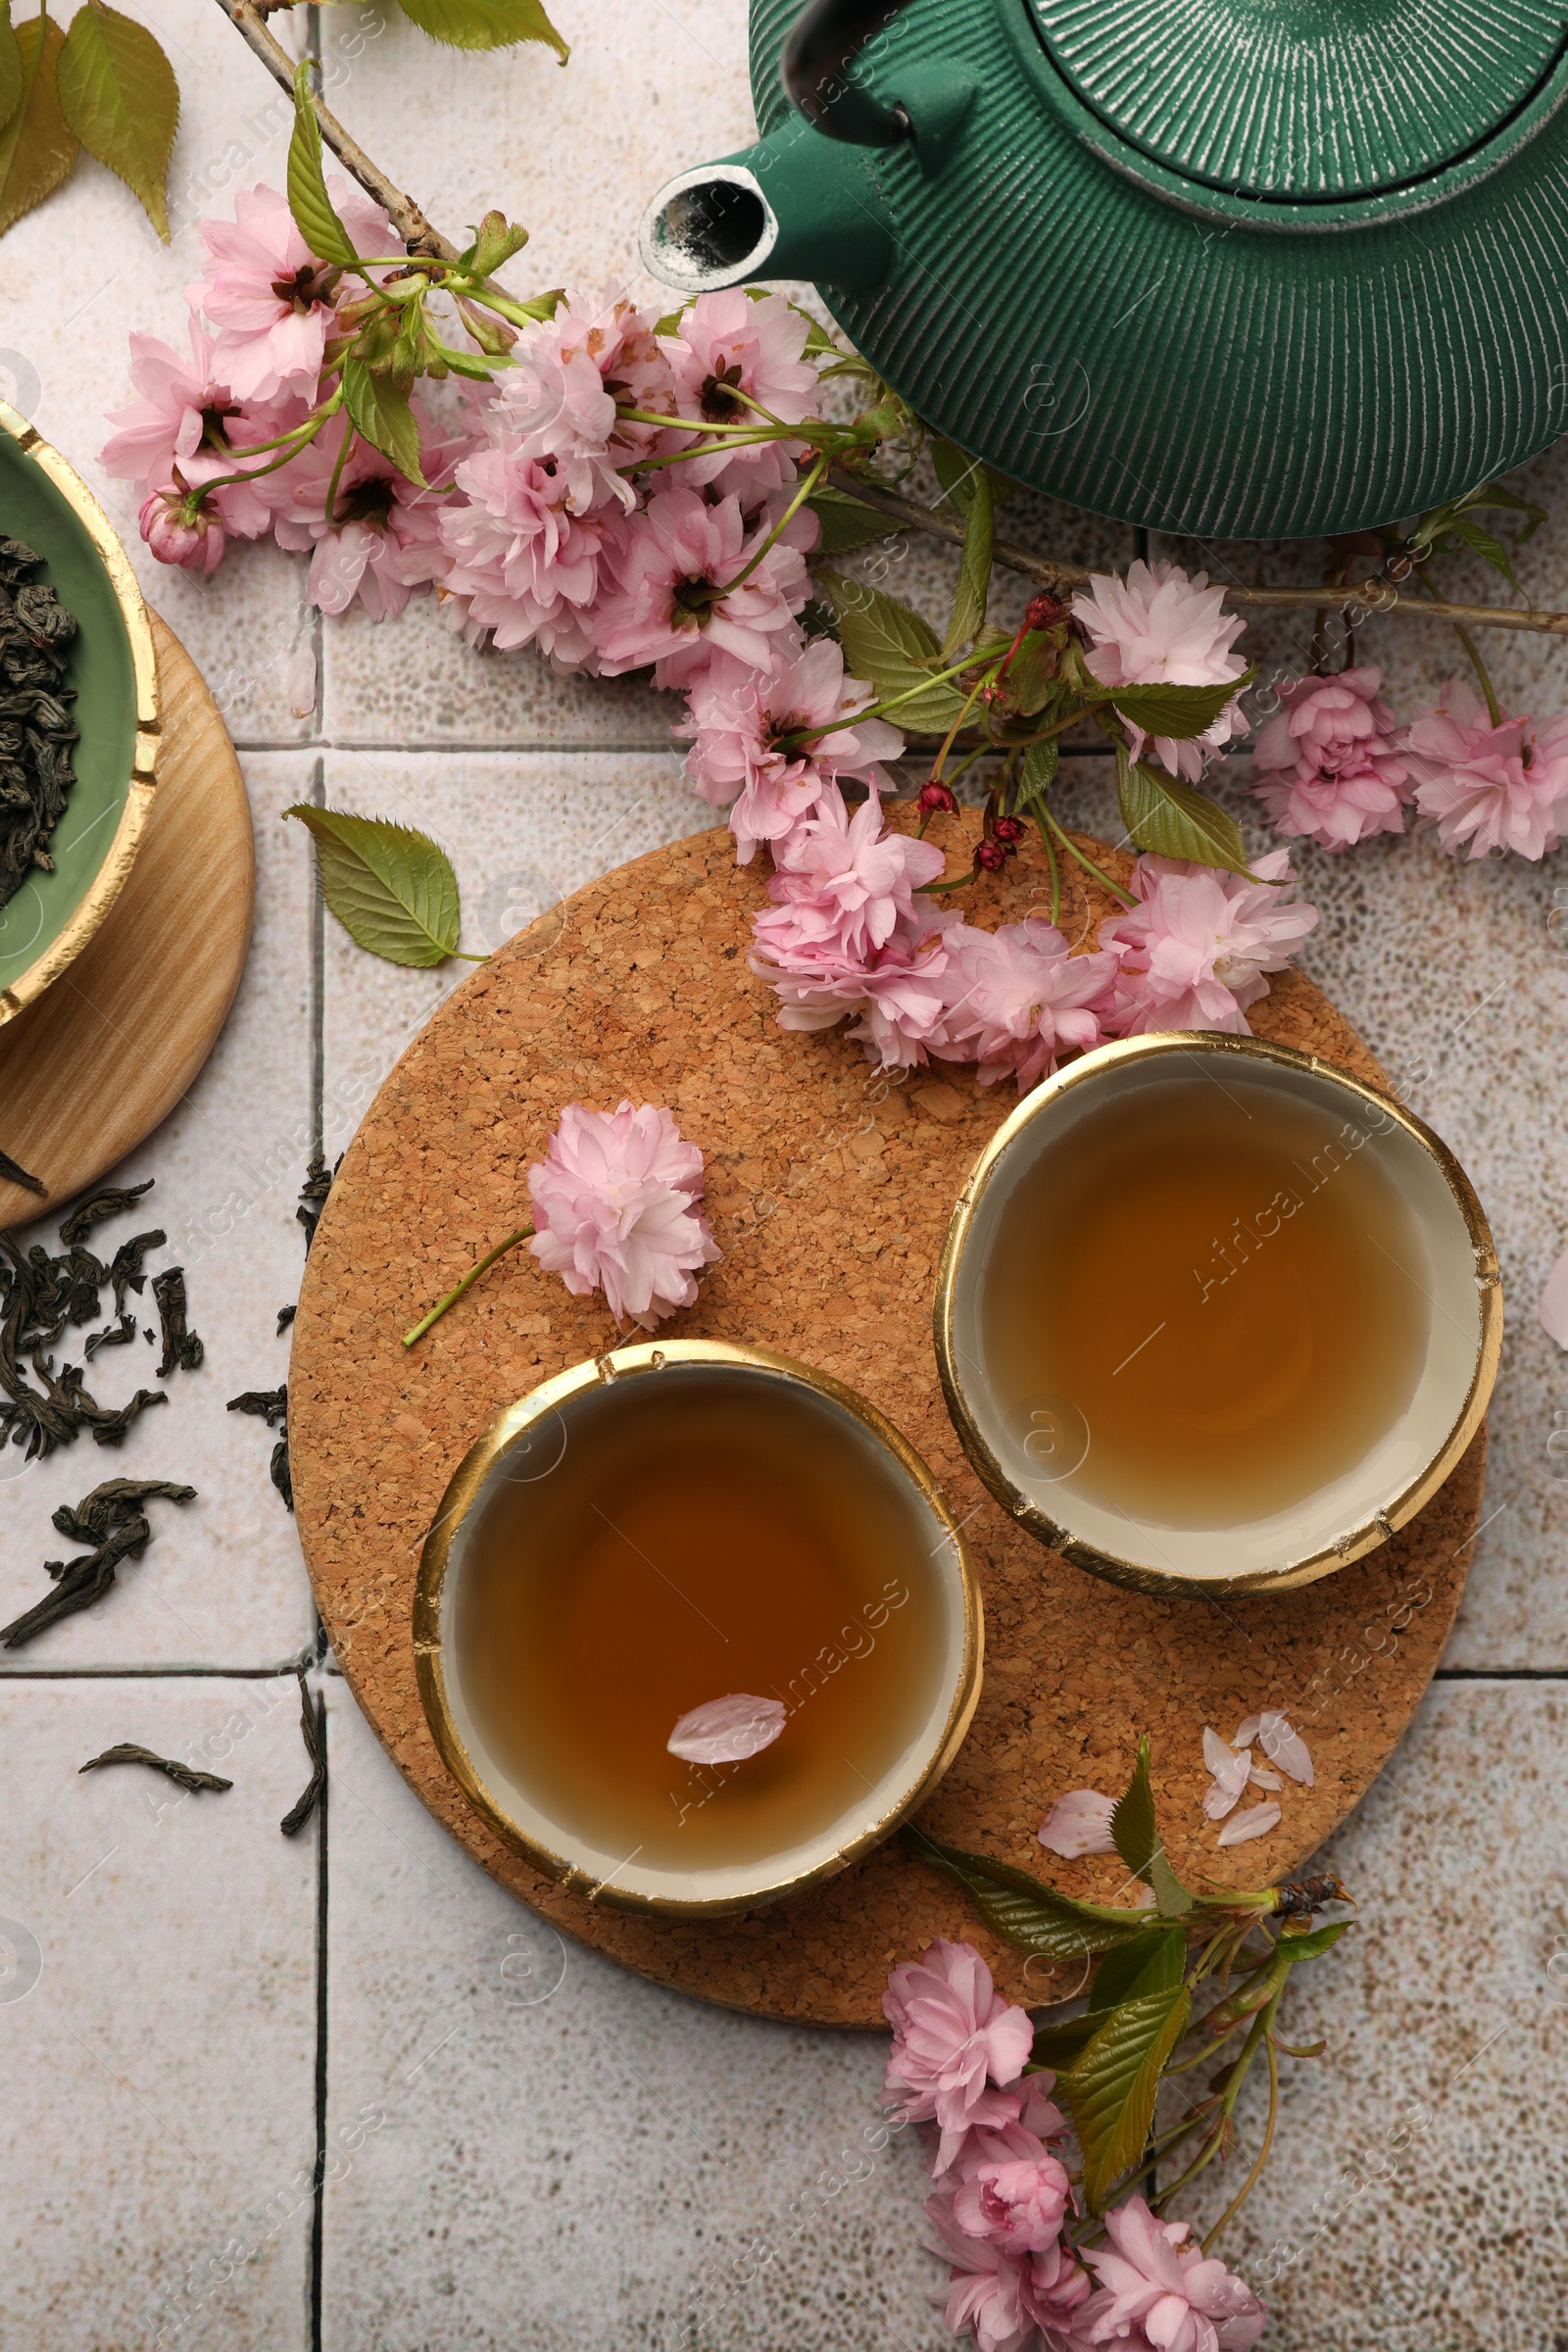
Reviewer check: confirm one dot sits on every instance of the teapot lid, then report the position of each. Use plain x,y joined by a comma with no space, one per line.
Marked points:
1301,99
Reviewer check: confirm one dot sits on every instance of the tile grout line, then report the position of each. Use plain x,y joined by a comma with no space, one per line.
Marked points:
323,1887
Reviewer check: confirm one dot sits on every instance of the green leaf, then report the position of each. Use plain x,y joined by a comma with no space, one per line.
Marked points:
1174,819
307,200
1112,2086
1056,2047
846,523
392,889
1154,1962
11,74
118,94
484,23
1024,1911
974,572
1032,673
1486,546
1037,772
1311,1946
38,146
382,412
495,241
887,643
1177,711
1136,1833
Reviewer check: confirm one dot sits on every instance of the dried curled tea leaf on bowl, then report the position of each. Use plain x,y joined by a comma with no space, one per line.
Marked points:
185,1776
37,728
9,1169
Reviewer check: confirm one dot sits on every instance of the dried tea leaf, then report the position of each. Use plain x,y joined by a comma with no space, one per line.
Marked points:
11,1173
110,1519
113,1335
112,1201
287,1315
185,1776
37,728
300,1812
181,1346
484,23
38,146
118,94
313,1199
392,889
272,1406
128,1271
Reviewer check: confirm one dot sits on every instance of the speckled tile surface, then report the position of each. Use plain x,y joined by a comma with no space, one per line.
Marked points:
517,2144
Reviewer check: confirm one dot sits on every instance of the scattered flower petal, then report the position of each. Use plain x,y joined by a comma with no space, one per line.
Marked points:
1553,1309
1279,1743
1079,1823
1230,1773
1256,1823
726,1731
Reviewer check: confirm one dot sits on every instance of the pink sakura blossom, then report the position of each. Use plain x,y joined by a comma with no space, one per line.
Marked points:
614,1209
1158,2290
738,715
558,401
187,420
1158,627
1194,950
673,603
1326,766
1008,2188
270,297
954,2036
195,542
384,527
726,343
1006,2302
1018,999
844,885
896,993
1079,1823
1503,787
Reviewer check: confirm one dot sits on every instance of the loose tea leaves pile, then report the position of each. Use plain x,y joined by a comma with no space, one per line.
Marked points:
113,1520
184,1775
36,730
42,1296
272,1406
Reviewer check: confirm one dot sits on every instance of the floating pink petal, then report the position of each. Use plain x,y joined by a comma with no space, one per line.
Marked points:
1553,1309
1079,1823
1256,1823
726,1731
1282,1745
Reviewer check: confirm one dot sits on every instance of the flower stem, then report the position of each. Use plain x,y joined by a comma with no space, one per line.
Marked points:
781,526
1087,863
1055,877
701,425
466,1284
1251,2183
1494,707
297,440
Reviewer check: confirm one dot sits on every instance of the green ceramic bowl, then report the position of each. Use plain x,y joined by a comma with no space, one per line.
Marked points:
115,675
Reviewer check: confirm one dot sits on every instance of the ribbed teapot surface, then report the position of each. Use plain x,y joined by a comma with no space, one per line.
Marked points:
1302,99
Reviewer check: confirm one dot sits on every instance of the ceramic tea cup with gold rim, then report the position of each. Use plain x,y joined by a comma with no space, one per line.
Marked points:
1214,1316
671,1526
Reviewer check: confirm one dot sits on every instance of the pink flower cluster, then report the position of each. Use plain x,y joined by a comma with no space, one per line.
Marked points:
614,1208
1004,2203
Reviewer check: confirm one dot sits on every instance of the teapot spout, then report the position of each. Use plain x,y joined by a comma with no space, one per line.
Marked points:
796,205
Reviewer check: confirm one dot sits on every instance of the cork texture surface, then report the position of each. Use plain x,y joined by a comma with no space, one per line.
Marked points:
829,1189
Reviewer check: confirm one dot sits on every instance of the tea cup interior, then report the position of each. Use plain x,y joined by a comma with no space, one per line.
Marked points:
1181,1407
680,1531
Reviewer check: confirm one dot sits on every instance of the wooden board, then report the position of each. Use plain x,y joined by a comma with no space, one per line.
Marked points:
829,1191
106,1053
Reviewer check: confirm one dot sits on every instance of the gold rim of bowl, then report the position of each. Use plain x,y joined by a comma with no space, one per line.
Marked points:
1310,1566
636,1361
108,882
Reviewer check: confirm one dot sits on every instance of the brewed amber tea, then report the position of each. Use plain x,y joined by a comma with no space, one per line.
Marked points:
675,1537
1204,1302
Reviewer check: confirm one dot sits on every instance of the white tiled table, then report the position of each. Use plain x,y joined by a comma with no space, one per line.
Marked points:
521,2147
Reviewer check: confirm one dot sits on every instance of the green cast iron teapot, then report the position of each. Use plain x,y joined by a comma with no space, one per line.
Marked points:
1251,268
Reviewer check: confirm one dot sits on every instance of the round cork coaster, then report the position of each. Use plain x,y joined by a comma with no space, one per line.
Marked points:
829,1189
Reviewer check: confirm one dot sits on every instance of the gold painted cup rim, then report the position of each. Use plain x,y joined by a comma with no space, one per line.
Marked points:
1401,1507
638,1361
